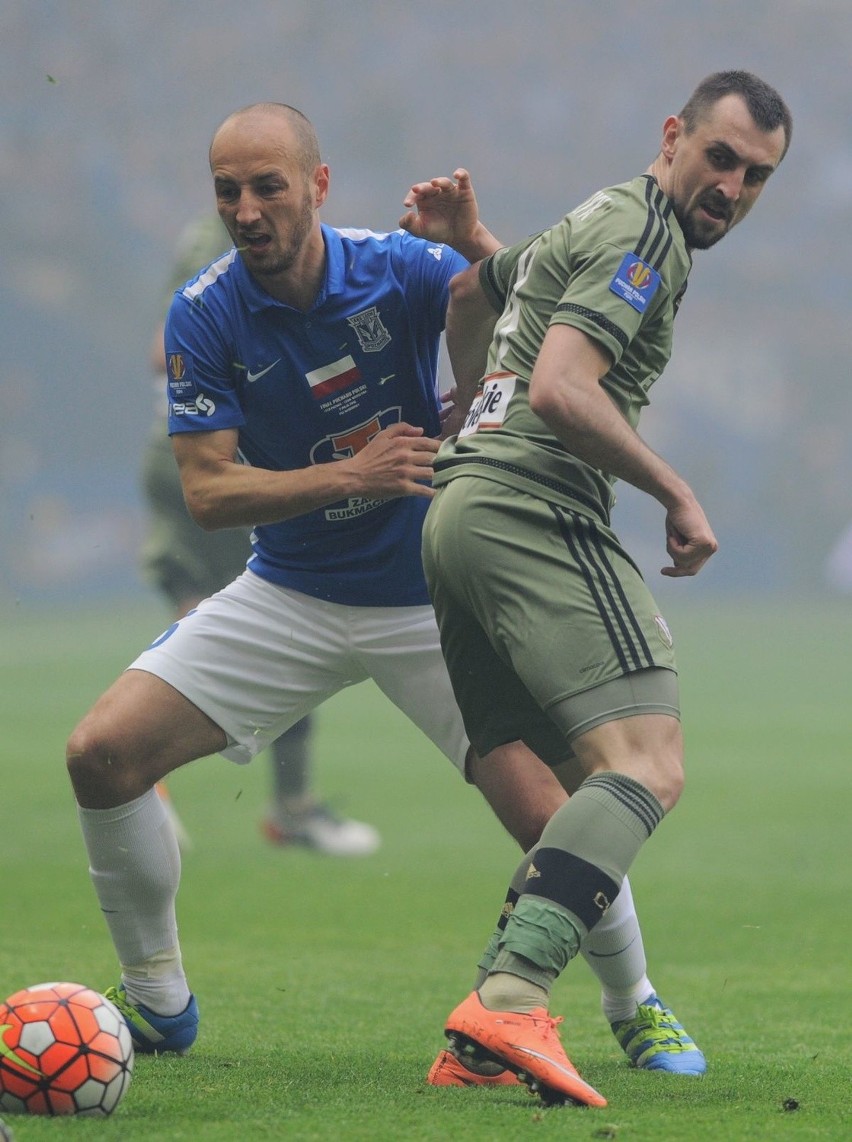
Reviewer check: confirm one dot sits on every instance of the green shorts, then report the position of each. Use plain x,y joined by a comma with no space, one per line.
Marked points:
178,557
547,626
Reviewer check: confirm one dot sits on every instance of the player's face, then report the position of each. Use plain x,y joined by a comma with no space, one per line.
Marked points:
264,196
716,173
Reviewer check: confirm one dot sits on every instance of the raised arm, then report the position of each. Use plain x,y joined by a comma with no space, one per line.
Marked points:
446,210
221,492
469,329
565,391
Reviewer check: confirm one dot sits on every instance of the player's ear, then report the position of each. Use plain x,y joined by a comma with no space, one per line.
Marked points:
322,178
672,129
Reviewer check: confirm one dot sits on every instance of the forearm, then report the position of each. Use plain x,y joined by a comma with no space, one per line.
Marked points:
469,330
592,429
478,244
220,492
228,494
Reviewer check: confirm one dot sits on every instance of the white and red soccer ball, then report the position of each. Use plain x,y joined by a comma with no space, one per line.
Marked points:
64,1049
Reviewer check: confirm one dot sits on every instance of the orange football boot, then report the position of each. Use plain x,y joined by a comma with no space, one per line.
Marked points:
447,1070
528,1045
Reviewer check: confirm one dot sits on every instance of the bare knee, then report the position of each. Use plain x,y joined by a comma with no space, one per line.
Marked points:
100,773
137,732
648,748
668,781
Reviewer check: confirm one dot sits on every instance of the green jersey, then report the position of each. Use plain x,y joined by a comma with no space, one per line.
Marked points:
616,268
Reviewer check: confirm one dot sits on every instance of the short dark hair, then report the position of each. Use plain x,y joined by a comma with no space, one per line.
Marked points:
765,105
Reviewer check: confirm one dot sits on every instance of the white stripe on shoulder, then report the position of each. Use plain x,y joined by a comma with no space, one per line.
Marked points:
356,234
213,271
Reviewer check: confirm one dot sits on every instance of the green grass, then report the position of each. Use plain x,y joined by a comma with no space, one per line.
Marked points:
324,984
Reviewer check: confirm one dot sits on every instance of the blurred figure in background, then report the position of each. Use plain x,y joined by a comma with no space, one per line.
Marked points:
187,564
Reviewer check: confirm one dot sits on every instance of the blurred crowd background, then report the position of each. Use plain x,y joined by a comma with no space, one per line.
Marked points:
108,108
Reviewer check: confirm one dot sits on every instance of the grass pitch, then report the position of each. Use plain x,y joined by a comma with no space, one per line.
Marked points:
324,984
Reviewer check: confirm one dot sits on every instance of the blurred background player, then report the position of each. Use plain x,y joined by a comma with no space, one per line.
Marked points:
187,564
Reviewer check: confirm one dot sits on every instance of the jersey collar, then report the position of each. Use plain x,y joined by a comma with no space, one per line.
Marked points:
256,298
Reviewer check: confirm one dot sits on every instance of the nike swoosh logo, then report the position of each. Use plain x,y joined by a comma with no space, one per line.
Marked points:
8,1053
256,376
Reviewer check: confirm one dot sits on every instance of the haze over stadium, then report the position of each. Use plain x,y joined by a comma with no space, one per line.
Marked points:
108,110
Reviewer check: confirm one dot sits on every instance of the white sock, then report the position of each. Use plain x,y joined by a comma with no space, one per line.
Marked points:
134,863
159,983
615,953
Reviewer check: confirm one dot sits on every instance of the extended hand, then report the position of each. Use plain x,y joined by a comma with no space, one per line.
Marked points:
394,463
442,210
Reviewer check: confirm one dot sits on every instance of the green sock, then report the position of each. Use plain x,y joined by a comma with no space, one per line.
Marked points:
573,874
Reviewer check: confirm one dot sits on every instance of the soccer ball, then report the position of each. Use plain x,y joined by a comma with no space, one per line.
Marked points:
64,1049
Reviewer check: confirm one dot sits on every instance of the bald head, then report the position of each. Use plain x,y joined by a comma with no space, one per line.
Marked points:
269,184
273,124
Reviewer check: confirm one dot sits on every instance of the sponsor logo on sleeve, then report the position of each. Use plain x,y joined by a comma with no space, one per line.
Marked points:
201,406
635,281
181,381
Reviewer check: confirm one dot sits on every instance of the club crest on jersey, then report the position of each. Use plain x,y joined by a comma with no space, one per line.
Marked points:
370,330
635,281
664,632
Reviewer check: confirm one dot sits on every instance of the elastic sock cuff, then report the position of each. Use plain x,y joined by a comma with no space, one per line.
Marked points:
627,800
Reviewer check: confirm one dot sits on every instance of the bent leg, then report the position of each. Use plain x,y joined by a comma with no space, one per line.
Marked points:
585,852
137,732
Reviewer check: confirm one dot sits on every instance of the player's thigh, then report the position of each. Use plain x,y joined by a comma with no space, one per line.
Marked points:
400,649
255,658
496,705
559,599
141,717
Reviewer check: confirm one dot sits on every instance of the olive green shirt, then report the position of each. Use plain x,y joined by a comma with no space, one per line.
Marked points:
615,267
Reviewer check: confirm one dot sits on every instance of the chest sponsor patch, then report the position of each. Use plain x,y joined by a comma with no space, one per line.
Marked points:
332,378
488,409
635,281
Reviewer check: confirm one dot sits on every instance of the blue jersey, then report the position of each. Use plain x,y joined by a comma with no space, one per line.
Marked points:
311,388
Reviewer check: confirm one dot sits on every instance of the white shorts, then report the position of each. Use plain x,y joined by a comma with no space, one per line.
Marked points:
256,658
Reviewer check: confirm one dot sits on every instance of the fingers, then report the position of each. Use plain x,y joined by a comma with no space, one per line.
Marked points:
423,190
434,187
401,428
689,558
689,552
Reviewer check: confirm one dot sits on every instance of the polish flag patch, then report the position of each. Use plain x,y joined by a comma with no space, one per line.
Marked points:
334,377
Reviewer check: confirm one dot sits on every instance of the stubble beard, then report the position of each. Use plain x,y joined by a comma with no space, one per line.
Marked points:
701,234
295,244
